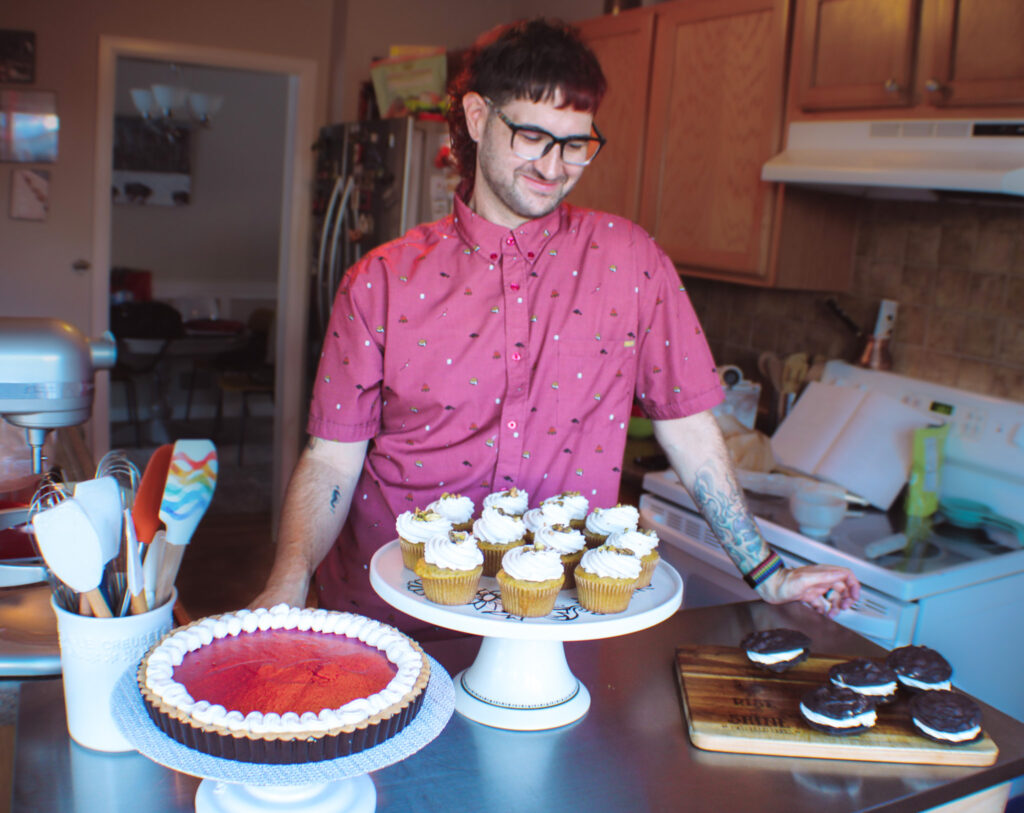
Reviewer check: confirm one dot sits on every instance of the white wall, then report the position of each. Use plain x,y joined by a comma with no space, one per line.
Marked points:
228,232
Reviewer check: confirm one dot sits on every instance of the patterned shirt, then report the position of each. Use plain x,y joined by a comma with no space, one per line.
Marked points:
478,358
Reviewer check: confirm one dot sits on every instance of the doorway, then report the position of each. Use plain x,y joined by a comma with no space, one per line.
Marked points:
290,285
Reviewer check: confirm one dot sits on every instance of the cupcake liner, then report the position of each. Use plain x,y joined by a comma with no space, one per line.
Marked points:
600,594
493,553
412,552
569,562
528,599
647,565
594,540
449,587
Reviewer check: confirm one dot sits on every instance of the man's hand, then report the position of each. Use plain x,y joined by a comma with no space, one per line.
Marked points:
825,588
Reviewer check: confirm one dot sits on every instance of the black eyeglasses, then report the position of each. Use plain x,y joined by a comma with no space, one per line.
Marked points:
533,143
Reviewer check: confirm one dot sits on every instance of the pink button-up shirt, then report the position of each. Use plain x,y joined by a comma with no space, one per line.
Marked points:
479,358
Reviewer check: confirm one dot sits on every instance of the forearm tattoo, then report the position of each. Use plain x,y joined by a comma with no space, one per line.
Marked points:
722,505
335,496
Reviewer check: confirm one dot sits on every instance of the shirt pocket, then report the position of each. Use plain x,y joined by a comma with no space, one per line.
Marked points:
595,379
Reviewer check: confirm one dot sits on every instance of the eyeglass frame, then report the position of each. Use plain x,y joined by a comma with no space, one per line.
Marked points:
561,142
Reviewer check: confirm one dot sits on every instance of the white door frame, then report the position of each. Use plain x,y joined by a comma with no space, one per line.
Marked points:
293,251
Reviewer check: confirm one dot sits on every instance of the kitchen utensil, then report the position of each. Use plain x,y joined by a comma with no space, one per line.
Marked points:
972,514
191,480
146,514
73,551
875,355
133,561
794,370
116,464
844,317
101,500
770,366
816,511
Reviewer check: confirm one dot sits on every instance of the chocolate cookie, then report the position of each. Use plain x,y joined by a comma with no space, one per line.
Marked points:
837,711
776,649
875,681
946,716
920,668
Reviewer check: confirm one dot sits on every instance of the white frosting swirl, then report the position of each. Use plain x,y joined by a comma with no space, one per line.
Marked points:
544,516
531,564
611,563
512,501
498,528
172,650
560,538
453,551
572,501
639,542
453,507
618,518
419,526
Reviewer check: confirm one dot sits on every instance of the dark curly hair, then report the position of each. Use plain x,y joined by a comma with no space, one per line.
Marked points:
530,59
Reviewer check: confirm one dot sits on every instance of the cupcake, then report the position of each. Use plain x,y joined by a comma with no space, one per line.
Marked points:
513,501
544,516
568,543
575,503
606,578
529,579
455,508
602,522
644,544
414,529
496,533
450,568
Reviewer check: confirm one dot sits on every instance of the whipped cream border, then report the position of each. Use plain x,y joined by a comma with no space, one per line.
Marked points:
171,651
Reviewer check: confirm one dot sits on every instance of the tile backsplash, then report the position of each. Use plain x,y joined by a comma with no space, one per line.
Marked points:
956,269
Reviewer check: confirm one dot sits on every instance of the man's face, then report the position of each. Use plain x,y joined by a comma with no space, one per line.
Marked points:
510,190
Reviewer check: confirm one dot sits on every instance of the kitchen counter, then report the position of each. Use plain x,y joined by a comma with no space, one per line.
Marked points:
630,752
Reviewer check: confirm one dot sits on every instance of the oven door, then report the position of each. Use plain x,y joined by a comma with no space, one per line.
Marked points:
709,574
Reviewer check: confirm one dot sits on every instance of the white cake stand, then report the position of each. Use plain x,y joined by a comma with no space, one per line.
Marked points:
330,786
520,679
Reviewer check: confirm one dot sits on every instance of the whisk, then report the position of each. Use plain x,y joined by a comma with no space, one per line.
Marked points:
52,490
116,464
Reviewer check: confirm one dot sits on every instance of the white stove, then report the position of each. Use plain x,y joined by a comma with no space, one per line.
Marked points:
958,590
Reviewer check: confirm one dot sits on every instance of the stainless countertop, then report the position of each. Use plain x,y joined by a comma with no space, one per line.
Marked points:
630,753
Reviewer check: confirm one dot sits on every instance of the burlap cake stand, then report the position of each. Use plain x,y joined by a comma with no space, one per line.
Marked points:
329,786
520,679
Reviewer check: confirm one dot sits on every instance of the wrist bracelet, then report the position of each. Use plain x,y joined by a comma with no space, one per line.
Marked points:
760,574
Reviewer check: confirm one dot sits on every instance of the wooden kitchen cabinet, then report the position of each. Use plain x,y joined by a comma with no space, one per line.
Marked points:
916,55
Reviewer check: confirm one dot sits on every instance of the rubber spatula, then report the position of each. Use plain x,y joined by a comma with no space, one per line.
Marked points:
146,513
133,566
191,481
101,500
71,549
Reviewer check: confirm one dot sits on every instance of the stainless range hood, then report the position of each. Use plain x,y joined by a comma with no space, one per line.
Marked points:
978,156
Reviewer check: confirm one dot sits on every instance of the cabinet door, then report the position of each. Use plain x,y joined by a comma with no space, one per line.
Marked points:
623,44
715,118
979,52
856,53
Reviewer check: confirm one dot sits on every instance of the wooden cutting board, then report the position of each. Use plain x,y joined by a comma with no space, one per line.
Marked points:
733,706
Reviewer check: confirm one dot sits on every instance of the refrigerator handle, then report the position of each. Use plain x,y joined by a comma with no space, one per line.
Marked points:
321,254
332,282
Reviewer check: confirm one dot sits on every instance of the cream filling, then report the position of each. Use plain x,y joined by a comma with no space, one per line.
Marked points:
773,657
172,650
867,718
949,736
880,690
920,684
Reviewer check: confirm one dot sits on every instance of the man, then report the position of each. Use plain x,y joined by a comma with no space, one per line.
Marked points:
504,345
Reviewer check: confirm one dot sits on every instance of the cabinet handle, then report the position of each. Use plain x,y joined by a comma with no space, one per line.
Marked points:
933,86
892,86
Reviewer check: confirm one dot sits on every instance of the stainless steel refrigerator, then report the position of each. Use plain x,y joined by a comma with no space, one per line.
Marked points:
374,181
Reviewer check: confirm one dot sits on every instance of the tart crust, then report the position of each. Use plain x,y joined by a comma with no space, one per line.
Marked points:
282,747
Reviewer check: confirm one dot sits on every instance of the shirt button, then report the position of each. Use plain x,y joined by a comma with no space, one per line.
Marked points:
529,255
516,357
510,241
494,256
512,424
514,286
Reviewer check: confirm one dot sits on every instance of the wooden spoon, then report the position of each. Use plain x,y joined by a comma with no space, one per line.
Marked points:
71,549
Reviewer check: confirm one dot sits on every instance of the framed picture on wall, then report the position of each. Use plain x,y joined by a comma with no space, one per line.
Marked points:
28,126
17,56
152,165
30,194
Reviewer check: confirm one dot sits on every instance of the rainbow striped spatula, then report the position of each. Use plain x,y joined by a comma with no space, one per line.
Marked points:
191,480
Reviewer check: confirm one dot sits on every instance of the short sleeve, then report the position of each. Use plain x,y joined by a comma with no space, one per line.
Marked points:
346,403
676,374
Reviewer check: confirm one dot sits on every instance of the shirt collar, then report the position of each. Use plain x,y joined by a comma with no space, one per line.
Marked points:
485,238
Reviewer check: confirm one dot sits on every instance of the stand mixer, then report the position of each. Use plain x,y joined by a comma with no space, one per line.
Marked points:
46,376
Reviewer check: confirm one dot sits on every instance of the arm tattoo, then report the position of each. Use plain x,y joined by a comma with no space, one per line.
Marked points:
335,496
722,505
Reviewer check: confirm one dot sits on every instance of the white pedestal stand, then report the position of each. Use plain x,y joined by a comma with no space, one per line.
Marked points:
520,679
331,786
